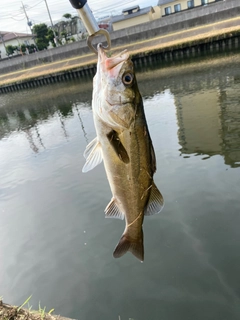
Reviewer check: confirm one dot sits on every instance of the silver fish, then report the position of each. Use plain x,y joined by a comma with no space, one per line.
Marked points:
124,144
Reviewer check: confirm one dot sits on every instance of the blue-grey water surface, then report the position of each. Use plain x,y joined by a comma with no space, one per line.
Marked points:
54,240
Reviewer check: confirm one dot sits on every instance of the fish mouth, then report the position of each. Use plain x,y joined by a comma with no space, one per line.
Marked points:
118,102
109,63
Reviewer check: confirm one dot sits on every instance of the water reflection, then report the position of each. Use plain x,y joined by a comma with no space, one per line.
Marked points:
207,108
29,110
209,121
54,240
82,125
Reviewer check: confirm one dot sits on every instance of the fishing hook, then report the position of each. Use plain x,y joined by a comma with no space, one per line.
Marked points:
90,23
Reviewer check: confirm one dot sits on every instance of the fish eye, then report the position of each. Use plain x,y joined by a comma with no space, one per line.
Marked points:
127,78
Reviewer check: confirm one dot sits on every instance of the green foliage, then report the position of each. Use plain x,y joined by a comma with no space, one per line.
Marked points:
41,44
67,16
50,36
25,302
10,49
64,34
32,48
23,48
41,31
41,311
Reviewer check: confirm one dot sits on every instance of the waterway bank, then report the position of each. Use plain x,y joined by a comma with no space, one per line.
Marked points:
9,312
185,43
215,37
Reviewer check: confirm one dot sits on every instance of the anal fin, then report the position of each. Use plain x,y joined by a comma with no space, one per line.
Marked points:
155,203
112,211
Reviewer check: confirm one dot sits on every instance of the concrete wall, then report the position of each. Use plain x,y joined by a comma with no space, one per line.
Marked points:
133,21
203,15
183,20
157,13
123,24
180,21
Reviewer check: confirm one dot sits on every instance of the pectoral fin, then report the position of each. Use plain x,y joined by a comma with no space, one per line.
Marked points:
93,155
112,211
118,146
155,203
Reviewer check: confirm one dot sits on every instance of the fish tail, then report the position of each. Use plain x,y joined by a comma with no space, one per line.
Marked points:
127,244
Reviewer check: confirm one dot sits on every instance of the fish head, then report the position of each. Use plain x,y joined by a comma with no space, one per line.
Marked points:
115,90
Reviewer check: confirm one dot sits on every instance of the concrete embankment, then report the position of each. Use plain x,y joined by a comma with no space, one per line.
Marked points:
167,39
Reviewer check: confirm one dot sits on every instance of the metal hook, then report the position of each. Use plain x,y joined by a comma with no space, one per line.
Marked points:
90,23
99,32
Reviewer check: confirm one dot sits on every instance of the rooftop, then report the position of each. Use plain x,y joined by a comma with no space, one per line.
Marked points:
123,17
7,36
137,8
161,2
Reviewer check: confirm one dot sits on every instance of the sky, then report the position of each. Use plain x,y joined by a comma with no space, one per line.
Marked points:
13,19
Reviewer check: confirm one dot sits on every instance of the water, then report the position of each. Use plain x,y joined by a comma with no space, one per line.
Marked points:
54,240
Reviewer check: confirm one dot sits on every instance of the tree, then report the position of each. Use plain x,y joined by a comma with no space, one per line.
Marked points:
64,35
50,36
67,16
10,49
32,48
23,48
41,31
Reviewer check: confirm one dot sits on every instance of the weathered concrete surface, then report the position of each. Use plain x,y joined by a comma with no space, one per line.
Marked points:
181,21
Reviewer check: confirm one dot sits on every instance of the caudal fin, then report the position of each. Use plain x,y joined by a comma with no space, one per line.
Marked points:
135,247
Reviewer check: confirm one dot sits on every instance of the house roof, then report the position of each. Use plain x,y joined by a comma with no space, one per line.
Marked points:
8,36
131,8
123,17
161,2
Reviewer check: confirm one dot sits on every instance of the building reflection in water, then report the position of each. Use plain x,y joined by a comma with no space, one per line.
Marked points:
230,122
207,107
209,121
28,119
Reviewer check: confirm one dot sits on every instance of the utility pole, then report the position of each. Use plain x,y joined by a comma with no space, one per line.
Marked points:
29,23
2,38
55,37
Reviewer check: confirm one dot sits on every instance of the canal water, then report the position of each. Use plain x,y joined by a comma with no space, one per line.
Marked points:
55,243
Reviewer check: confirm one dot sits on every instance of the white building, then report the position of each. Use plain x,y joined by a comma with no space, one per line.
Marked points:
14,39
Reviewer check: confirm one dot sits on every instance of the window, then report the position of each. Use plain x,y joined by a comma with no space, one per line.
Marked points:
177,7
168,10
190,4
204,2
